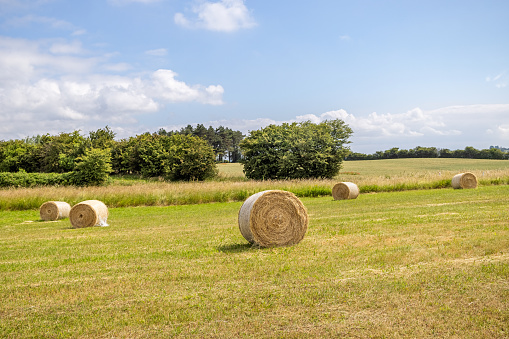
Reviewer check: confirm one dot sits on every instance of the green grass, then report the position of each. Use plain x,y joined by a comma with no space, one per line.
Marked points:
425,264
231,185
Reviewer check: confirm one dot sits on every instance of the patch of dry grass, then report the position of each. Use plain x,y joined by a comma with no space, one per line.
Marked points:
374,176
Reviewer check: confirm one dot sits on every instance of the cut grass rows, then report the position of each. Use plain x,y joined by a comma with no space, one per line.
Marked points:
430,263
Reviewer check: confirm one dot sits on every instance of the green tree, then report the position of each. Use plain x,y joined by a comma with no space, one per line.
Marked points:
174,157
297,150
392,153
18,155
190,158
92,168
58,153
120,157
471,153
446,153
102,138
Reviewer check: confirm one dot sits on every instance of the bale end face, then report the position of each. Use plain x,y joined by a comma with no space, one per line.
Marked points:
464,180
89,213
54,210
273,218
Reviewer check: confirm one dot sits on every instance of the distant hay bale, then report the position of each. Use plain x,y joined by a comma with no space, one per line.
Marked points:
345,190
273,218
54,210
464,180
89,213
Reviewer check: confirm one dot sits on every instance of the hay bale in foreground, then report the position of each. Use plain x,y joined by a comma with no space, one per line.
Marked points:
89,213
54,210
464,180
273,218
345,190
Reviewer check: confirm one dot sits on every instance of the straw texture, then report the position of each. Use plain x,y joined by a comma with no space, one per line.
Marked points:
273,218
464,180
89,213
345,190
54,210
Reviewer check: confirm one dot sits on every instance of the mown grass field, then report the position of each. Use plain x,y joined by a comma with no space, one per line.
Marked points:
420,263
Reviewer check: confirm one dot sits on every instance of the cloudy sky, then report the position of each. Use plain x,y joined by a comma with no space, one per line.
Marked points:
401,73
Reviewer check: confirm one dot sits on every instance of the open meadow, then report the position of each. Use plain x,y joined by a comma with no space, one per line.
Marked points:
420,263
231,185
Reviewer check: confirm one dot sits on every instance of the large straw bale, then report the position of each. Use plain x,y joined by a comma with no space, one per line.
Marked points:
464,180
273,218
345,190
54,210
89,213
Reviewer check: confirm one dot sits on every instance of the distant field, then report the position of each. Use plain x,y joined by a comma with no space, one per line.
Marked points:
370,176
419,264
401,167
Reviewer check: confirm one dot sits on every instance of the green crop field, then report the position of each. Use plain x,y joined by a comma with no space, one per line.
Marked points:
418,263
400,167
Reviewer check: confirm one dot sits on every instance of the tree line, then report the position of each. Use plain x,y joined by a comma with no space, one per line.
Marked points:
432,152
59,153
89,159
288,151
223,140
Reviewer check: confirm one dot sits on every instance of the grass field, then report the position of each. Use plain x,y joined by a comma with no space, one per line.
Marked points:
421,263
370,176
390,171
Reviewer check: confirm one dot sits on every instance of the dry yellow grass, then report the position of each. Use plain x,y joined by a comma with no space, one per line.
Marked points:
232,186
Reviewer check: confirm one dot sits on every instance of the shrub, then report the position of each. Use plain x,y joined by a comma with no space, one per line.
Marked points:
23,179
92,169
191,158
296,151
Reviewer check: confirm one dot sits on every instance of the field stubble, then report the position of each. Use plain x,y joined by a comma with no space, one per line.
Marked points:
428,263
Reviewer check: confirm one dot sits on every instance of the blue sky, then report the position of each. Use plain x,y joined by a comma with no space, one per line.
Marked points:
399,73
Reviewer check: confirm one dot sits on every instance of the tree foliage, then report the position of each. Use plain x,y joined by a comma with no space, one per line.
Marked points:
92,168
174,157
432,152
224,141
297,150
89,160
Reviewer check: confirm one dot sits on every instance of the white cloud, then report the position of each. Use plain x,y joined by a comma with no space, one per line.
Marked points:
499,80
29,20
73,47
453,127
125,2
160,52
495,78
223,16
12,5
43,89
118,67
164,85
504,130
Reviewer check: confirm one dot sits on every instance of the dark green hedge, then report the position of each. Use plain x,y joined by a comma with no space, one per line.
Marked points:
23,179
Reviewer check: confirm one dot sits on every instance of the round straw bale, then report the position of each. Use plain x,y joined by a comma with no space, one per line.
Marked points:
345,190
464,180
273,218
89,213
54,210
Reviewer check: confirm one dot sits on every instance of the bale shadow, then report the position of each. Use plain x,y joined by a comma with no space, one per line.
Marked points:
235,248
